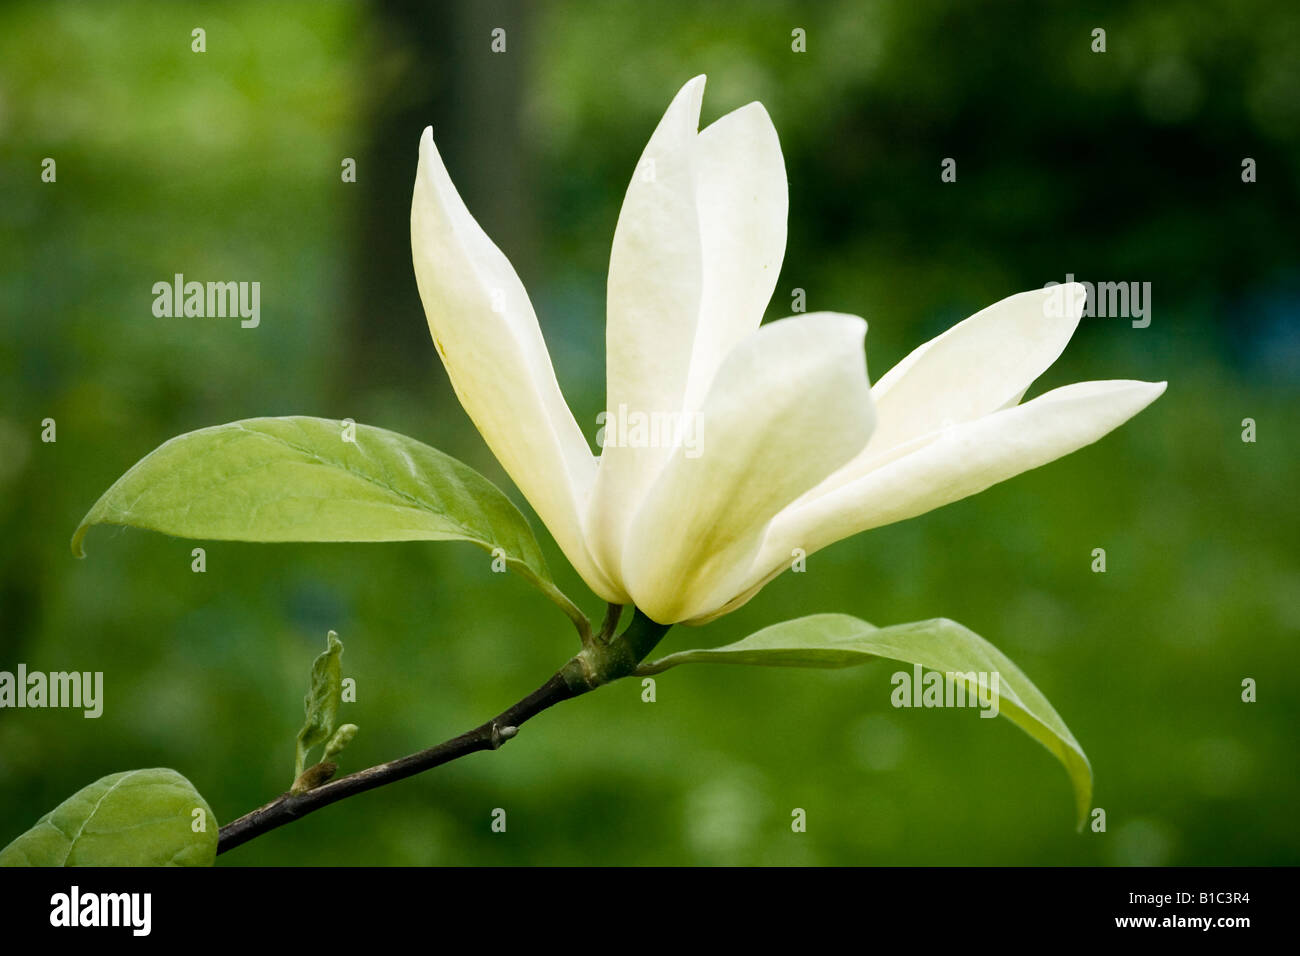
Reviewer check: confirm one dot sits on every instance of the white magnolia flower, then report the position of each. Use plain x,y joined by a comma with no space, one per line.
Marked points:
795,448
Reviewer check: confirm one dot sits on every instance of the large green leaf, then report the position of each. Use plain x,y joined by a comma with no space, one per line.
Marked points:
135,818
297,479
838,640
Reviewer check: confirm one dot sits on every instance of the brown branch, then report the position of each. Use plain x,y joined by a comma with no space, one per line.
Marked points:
488,736
598,664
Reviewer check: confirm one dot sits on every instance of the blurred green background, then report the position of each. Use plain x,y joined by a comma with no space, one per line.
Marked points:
1122,166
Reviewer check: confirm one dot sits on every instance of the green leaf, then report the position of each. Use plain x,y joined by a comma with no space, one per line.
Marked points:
298,479
135,818
321,704
838,640
342,737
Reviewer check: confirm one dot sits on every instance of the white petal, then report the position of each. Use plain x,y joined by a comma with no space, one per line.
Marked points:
655,266
653,307
789,405
743,204
978,366
487,335
955,462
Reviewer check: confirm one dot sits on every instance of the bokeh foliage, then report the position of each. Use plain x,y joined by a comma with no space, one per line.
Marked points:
225,165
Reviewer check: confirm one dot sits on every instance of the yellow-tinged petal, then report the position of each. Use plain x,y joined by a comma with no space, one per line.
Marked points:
487,335
789,405
696,256
743,201
955,462
980,365
653,307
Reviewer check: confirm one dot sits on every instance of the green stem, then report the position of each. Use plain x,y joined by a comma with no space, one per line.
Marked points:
599,664
613,614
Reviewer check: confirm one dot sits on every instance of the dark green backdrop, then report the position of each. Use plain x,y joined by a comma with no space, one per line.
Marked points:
1122,166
